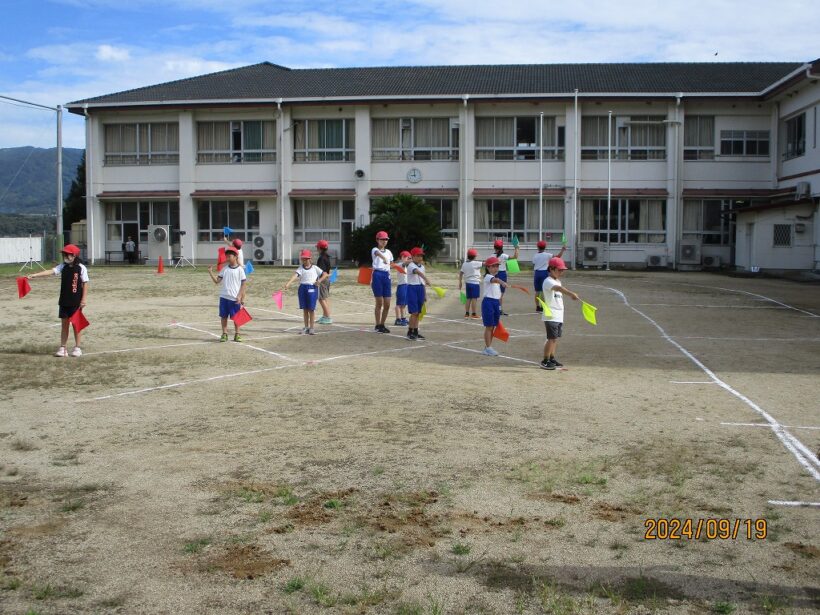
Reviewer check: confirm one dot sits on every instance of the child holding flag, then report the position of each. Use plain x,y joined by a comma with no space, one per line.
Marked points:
491,304
540,268
401,290
502,257
416,297
73,291
471,273
323,263
310,276
554,292
232,293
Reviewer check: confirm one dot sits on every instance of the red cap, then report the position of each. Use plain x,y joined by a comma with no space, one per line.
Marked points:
498,243
472,252
322,244
70,248
556,262
231,250
541,244
305,254
404,253
237,243
416,252
382,235
493,260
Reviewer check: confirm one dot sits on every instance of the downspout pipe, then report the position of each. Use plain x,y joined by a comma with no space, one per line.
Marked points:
462,205
89,187
281,181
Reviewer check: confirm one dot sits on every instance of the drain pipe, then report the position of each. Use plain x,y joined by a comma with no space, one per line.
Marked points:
462,218
281,181
576,235
89,187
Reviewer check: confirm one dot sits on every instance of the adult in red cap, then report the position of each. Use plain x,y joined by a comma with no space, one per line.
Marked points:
554,291
498,246
416,297
471,274
73,292
540,266
323,263
310,276
380,282
491,303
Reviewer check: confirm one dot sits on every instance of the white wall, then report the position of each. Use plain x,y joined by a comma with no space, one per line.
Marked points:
756,249
20,249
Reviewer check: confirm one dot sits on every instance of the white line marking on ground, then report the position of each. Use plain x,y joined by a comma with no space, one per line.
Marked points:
122,350
804,457
744,292
793,503
769,426
719,307
251,346
692,382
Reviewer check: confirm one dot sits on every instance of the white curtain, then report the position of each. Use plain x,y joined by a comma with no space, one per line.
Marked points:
693,216
482,214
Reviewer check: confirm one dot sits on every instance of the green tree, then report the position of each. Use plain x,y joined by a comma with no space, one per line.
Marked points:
408,219
74,203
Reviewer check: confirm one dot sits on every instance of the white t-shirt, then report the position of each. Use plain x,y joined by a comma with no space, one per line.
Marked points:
502,265
402,277
240,256
83,272
378,263
232,278
309,275
541,261
491,291
554,299
472,272
413,277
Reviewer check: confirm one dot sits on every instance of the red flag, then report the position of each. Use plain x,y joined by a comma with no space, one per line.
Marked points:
221,259
241,317
398,268
365,275
521,288
500,332
23,287
79,321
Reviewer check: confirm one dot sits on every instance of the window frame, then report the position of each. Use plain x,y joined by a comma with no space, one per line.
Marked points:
692,131
794,145
518,151
781,227
144,152
624,138
214,232
305,128
741,140
621,212
234,154
408,149
519,210
312,234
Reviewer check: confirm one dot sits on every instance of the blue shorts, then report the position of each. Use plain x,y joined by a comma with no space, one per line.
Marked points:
380,283
415,298
67,311
538,280
490,311
228,307
401,294
501,275
473,291
308,295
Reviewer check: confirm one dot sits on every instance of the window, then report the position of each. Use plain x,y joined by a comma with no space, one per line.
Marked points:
239,141
241,216
637,137
415,139
143,213
744,142
517,138
708,221
323,140
502,217
132,144
782,236
795,137
315,219
630,220
699,137
448,215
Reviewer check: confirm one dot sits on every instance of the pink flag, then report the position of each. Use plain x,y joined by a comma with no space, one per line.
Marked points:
78,320
241,317
23,287
277,296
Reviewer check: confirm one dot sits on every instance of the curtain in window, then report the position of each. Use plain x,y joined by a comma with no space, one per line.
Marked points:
482,214
651,218
699,131
330,215
205,136
313,214
440,132
142,138
587,215
504,132
251,136
549,132
269,135
693,216
316,134
594,131
299,128
128,138
485,132
386,133
422,132
350,134
554,214
532,214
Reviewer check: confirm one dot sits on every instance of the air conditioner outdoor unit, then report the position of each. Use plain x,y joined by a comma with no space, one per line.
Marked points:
593,254
802,190
689,254
263,249
159,243
711,262
656,260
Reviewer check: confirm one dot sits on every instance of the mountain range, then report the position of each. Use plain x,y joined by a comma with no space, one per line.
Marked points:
28,182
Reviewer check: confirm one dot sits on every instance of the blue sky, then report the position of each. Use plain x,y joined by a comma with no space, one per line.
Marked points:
56,51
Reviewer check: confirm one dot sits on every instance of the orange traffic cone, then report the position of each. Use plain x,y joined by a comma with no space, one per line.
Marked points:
160,267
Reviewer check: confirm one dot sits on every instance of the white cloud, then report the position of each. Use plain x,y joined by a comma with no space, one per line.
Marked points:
107,53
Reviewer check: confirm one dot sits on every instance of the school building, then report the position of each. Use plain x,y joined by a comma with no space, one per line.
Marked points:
680,165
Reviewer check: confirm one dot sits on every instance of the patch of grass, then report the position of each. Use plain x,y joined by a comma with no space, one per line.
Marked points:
72,506
250,496
552,475
460,548
365,597
195,546
294,585
23,445
723,607
774,604
554,600
377,470
48,591
11,584
322,595
333,504
264,516
555,522
70,458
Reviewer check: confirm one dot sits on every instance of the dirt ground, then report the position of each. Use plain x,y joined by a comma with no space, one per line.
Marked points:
352,472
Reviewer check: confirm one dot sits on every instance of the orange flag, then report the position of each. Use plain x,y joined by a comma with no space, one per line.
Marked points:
501,333
398,268
79,321
365,275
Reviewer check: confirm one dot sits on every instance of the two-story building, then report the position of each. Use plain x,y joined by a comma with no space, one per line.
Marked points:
634,164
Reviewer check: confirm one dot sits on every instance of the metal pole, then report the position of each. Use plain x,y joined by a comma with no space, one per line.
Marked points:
59,178
541,177
608,184
576,235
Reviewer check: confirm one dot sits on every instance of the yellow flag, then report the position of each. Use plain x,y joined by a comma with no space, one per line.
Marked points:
423,311
544,306
589,312
439,291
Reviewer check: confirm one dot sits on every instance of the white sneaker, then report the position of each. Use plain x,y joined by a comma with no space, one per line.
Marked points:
490,351
61,352
77,352
311,332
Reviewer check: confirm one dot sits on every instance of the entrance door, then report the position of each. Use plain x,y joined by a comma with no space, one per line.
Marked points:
132,230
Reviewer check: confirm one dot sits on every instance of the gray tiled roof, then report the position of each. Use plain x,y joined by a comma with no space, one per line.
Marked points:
270,81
